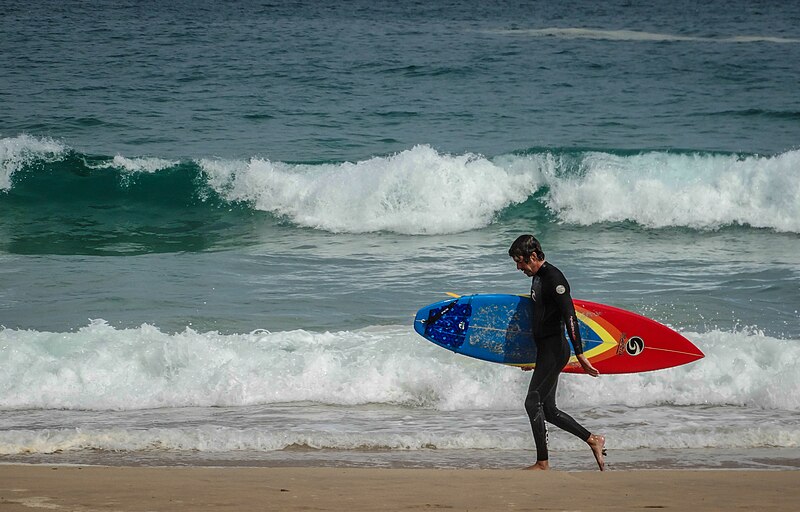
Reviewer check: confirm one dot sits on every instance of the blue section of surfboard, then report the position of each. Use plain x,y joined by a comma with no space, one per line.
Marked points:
491,327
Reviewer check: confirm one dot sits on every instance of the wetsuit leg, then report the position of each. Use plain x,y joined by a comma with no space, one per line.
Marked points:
555,416
544,379
540,404
561,419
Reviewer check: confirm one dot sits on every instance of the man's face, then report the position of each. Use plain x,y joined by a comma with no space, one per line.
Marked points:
529,267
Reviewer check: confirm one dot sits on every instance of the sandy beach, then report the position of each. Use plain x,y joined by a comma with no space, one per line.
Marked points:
90,488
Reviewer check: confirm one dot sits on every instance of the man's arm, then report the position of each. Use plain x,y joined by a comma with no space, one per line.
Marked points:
567,309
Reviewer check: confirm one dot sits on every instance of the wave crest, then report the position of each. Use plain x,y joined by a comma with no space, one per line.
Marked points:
701,191
424,192
17,153
418,191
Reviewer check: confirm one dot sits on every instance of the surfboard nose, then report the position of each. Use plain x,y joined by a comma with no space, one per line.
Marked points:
689,349
698,354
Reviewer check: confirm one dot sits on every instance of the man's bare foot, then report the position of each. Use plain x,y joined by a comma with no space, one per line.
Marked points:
541,465
598,446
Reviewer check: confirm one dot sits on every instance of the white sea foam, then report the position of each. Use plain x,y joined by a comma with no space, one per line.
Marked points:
699,191
99,367
103,368
744,368
225,439
418,191
216,439
16,152
634,35
744,394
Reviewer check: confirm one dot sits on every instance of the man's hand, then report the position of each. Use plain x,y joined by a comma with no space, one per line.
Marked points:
587,366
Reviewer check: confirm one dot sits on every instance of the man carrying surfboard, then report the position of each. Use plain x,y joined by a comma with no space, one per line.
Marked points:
553,313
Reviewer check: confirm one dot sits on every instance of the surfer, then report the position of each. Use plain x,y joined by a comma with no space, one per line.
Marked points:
553,311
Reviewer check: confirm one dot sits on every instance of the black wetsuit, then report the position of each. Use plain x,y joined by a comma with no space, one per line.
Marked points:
552,311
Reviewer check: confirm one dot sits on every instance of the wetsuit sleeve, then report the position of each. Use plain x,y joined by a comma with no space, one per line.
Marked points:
567,310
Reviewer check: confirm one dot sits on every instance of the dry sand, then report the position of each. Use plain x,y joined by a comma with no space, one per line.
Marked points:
85,489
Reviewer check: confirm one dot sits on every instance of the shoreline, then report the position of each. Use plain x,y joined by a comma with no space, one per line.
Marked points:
90,488
756,459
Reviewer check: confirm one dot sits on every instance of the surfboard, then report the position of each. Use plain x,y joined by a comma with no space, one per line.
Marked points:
497,328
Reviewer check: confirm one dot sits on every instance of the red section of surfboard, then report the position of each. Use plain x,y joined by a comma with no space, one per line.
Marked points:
634,343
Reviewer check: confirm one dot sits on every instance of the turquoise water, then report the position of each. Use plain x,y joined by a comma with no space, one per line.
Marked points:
217,223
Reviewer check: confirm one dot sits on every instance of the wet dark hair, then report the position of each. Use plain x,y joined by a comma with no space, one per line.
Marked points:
524,246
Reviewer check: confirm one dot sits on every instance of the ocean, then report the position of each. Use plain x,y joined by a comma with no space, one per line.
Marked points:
217,221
